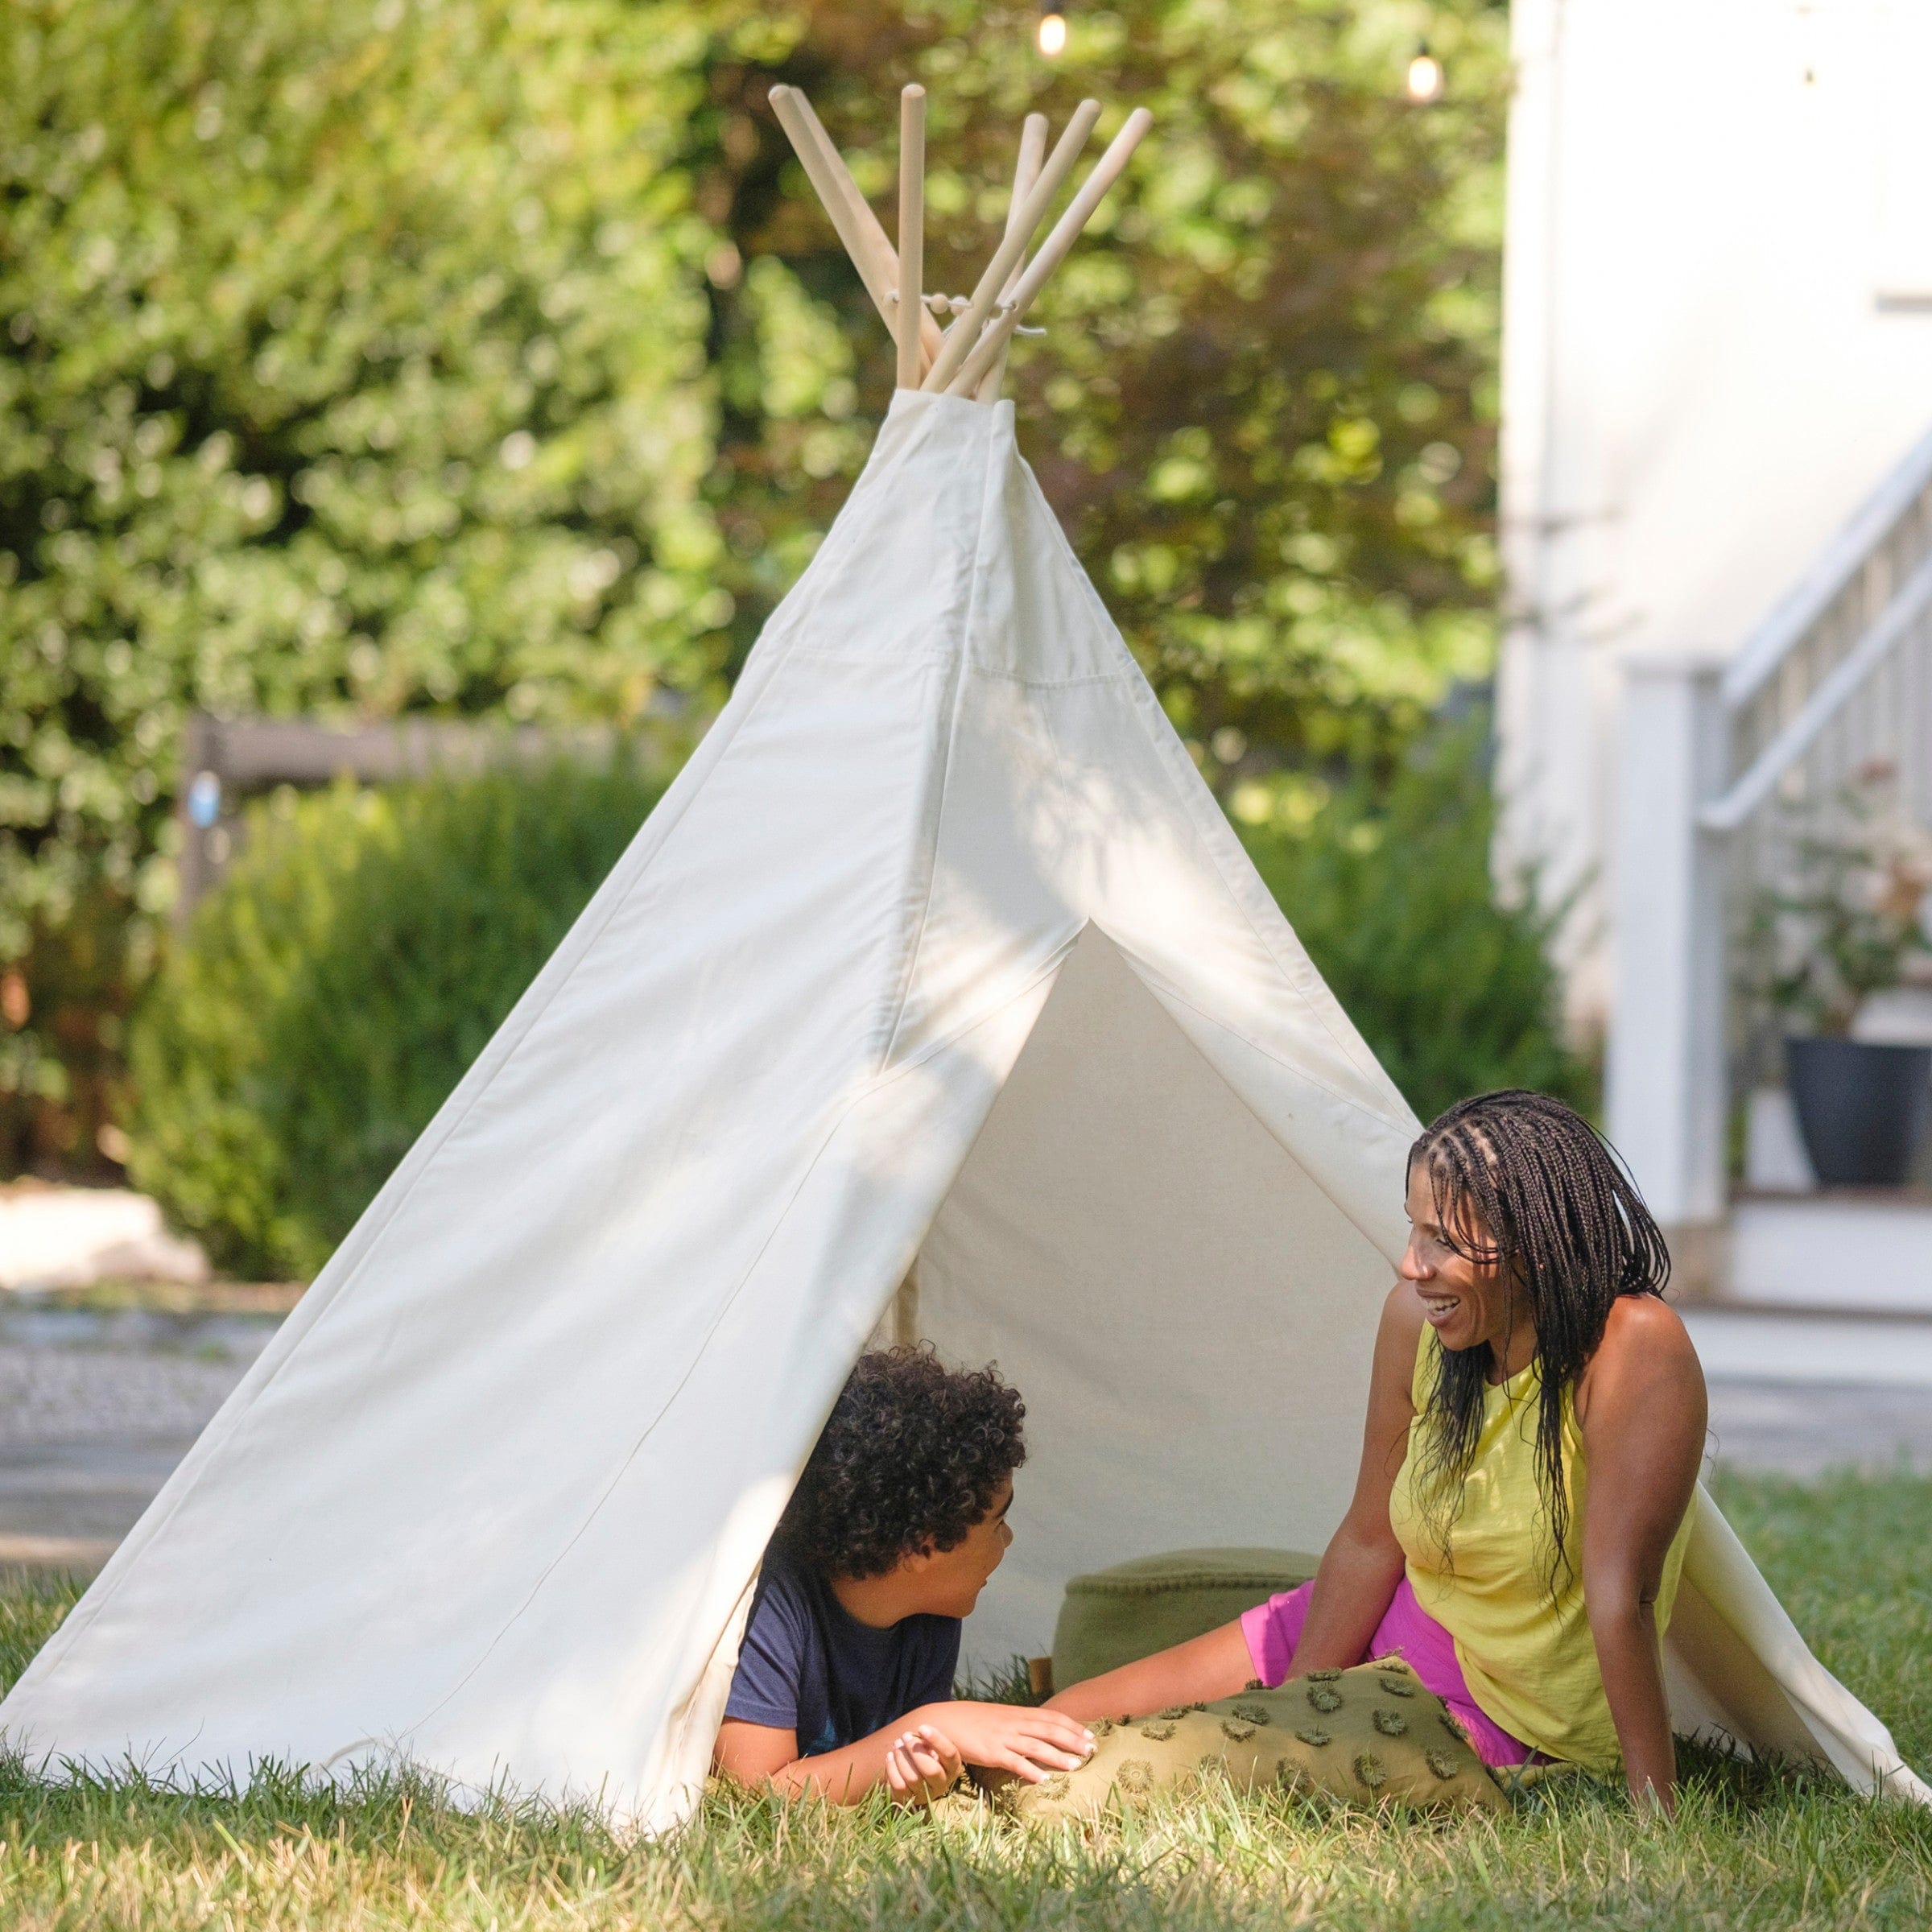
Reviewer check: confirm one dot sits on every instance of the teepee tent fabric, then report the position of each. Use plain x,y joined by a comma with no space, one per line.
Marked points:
939,947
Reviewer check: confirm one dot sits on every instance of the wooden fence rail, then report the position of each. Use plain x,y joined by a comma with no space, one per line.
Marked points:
227,760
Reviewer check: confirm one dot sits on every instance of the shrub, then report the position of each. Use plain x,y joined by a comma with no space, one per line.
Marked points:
326,387
359,956
1452,988
332,385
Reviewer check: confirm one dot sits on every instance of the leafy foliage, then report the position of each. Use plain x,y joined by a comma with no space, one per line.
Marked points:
477,357
357,959
353,363
1264,405
1452,988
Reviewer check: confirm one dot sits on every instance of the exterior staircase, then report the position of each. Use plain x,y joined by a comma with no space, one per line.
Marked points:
1835,683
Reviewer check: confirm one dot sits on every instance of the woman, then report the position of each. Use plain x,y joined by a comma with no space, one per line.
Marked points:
1536,1424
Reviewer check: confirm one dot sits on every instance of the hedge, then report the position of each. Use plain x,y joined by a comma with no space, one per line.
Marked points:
359,956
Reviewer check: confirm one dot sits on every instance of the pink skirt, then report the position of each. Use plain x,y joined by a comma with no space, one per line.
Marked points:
1273,1629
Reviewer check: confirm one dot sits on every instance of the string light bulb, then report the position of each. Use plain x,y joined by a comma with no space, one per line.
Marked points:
1051,36
1424,77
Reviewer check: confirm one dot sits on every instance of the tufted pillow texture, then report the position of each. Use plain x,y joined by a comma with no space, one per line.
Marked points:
1371,1736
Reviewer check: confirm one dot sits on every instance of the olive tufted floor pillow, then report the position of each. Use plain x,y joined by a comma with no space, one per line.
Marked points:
1116,1617
1371,1736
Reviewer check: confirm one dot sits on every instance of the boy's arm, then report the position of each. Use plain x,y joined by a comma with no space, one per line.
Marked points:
757,1755
1005,1737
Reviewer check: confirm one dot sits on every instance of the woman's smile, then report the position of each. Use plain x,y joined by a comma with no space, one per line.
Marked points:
1464,1300
1456,1319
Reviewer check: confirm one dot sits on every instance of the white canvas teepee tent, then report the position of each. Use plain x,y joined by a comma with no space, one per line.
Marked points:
939,949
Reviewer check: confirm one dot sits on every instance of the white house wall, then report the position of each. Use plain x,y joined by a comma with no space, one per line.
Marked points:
1718,340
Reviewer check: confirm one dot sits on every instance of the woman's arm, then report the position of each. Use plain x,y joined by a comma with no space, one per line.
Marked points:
1005,1737
1358,1574
1641,1410
1363,1562
1196,1672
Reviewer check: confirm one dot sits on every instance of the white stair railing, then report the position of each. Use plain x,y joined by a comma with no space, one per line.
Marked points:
1836,678
1718,761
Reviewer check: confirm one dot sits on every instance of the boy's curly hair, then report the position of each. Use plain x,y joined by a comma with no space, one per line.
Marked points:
911,1459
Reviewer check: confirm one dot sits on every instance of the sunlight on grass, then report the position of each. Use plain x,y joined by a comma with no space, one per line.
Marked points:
1852,1559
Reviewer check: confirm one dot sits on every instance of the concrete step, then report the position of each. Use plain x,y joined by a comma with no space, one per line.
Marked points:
1836,1251
1812,1347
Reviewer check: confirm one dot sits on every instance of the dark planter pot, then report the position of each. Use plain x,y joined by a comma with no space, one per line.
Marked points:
1862,1107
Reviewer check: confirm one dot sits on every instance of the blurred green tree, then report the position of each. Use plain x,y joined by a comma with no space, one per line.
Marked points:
1265,405
354,362
484,356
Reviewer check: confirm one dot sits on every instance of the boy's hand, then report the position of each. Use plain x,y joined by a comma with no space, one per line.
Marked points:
922,1765
1032,1745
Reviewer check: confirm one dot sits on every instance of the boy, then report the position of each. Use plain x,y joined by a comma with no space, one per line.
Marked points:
844,1679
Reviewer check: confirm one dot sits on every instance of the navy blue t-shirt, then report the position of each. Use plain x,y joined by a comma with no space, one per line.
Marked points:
809,1666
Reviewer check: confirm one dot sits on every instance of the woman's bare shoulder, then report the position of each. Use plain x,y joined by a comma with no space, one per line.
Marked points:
1645,1322
1646,1344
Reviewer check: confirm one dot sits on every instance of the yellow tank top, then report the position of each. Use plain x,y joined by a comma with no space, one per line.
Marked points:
1529,1663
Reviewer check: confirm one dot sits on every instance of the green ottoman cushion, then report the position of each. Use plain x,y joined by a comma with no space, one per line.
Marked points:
1371,1735
1117,1616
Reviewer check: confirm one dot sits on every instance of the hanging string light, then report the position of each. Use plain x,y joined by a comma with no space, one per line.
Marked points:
1425,78
1051,36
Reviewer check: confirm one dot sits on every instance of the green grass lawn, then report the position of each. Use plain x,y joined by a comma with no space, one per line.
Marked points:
1852,1560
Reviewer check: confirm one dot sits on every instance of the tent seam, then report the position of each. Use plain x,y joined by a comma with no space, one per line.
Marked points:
961,674
892,1071
994,674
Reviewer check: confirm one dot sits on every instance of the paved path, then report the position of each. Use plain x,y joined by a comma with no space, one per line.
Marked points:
1800,1394
1804,1429
96,1411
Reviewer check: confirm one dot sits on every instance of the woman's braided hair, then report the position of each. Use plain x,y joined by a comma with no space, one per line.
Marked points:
1522,1180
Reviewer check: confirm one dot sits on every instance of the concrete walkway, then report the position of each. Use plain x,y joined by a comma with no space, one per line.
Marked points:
96,1409
1800,1393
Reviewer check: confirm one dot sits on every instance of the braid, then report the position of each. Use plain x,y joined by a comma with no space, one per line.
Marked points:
1521,1180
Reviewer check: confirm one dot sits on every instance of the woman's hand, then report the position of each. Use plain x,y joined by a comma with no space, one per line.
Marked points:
1642,1409
923,1766
1032,1745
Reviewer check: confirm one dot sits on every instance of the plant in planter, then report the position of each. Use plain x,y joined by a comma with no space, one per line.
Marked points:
1846,921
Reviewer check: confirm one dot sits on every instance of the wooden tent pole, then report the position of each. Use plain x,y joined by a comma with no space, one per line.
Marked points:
1026,170
1053,251
786,103
867,222
912,231
858,228
962,338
